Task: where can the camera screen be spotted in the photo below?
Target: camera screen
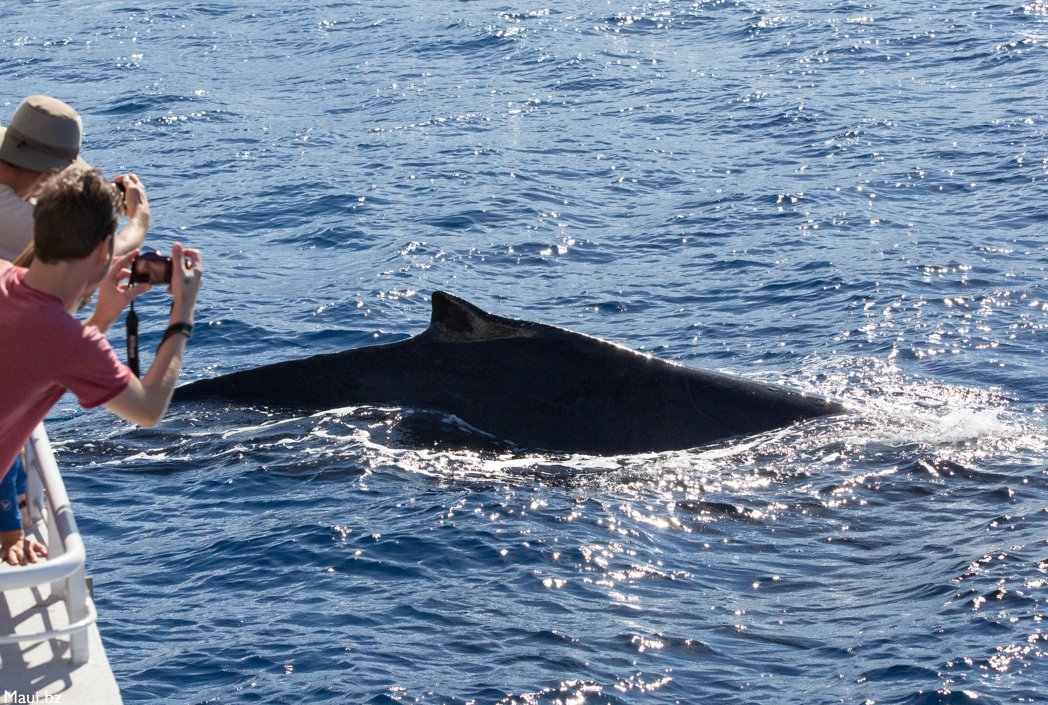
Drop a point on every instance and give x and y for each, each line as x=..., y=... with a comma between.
x=151, y=268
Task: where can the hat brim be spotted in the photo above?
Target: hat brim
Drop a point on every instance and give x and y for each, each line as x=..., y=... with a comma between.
x=31, y=159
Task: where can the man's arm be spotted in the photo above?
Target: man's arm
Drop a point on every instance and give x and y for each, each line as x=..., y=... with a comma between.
x=136, y=208
x=145, y=401
x=113, y=295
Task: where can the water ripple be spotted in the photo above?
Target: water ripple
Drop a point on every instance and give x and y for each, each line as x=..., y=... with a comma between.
x=846, y=198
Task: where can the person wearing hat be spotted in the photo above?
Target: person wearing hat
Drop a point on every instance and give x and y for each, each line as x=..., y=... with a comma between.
x=43, y=138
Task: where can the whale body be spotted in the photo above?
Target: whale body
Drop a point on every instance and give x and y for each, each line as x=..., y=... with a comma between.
x=528, y=384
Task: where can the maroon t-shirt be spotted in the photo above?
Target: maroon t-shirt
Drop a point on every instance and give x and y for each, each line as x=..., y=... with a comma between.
x=44, y=351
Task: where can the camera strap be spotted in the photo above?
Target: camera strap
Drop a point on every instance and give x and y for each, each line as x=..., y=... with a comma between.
x=132, y=339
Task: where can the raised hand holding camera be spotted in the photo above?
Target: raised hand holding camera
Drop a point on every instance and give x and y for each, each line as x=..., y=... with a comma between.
x=183, y=273
x=113, y=294
x=187, y=274
x=133, y=196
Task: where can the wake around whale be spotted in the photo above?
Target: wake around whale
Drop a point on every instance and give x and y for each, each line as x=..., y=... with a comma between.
x=531, y=385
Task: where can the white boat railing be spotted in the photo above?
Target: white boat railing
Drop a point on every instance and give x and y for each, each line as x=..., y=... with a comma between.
x=64, y=567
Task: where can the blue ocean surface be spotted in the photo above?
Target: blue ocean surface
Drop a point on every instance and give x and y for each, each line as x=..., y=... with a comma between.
x=850, y=198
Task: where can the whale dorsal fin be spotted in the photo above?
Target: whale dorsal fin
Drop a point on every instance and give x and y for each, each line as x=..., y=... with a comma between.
x=457, y=319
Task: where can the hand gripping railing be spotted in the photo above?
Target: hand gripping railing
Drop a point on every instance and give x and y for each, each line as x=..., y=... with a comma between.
x=64, y=567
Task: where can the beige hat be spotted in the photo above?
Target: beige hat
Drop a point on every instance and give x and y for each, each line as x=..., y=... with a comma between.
x=43, y=135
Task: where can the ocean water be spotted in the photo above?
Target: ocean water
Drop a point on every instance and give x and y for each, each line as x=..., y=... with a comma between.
x=847, y=197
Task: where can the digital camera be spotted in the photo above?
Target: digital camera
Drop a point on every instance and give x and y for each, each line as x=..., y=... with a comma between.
x=151, y=268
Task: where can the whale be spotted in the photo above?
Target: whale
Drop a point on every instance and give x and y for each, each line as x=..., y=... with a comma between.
x=530, y=385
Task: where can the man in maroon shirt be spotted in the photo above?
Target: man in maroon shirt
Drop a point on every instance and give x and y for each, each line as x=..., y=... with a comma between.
x=45, y=351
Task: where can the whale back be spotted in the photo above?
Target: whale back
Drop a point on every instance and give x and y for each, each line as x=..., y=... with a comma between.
x=530, y=384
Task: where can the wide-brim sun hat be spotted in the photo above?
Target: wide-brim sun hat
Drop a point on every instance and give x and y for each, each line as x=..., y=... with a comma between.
x=44, y=135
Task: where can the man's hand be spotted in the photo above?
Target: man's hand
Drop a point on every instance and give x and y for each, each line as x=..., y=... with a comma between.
x=145, y=400
x=187, y=274
x=113, y=294
x=136, y=207
x=16, y=549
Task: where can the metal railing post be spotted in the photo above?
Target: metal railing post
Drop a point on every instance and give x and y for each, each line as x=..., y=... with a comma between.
x=64, y=567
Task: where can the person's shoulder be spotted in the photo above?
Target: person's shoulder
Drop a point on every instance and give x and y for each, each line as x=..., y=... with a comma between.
x=16, y=223
x=41, y=313
x=13, y=208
